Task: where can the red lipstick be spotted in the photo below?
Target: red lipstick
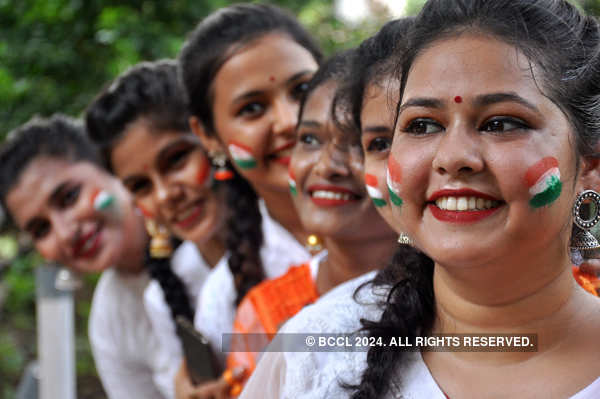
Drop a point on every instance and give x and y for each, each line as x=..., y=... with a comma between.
x=466, y=216
x=347, y=196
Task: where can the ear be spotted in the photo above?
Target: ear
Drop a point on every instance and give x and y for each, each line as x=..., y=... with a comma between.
x=209, y=141
x=590, y=173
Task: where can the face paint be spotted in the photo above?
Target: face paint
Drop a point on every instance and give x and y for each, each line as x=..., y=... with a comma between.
x=242, y=155
x=458, y=99
x=203, y=173
x=102, y=200
x=373, y=190
x=292, y=183
x=543, y=181
x=393, y=177
x=147, y=214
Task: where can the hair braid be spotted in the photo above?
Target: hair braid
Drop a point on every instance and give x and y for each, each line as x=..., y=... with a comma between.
x=244, y=236
x=173, y=288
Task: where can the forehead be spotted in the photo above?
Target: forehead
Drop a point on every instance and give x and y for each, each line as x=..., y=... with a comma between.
x=39, y=180
x=380, y=100
x=318, y=104
x=274, y=55
x=470, y=64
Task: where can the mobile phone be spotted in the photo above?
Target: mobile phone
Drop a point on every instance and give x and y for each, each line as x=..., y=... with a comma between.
x=198, y=354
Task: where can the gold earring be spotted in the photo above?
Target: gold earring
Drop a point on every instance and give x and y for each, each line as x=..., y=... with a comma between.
x=160, y=243
x=313, y=243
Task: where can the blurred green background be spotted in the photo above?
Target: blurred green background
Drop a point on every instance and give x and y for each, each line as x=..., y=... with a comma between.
x=55, y=55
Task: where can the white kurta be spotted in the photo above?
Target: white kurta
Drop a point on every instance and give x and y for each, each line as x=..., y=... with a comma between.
x=123, y=342
x=189, y=265
x=216, y=305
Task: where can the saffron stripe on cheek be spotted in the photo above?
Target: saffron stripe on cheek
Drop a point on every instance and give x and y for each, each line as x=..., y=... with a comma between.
x=394, y=176
x=145, y=212
x=371, y=180
x=395, y=170
x=202, y=174
x=538, y=169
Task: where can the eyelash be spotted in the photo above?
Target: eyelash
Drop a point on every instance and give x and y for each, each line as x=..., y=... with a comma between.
x=69, y=196
x=309, y=139
x=299, y=90
x=176, y=158
x=486, y=126
x=378, y=141
x=251, y=109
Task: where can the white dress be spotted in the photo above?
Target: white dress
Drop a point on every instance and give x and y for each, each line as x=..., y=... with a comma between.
x=123, y=342
x=189, y=265
x=311, y=375
x=216, y=307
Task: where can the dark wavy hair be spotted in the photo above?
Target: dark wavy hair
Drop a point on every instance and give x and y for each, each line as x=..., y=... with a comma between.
x=563, y=45
x=149, y=90
x=207, y=48
x=59, y=136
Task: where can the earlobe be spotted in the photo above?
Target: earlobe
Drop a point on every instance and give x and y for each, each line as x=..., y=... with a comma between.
x=210, y=142
x=590, y=174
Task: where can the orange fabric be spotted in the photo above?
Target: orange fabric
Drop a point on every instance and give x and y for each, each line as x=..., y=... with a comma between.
x=264, y=309
x=589, y=282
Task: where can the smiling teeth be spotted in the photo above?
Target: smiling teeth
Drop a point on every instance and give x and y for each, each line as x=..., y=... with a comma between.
x=465, y=203
x=89, y=243
x=331, y=195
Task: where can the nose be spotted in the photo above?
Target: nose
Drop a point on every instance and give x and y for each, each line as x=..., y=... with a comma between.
x=285, y=116
x=333, y=162
x=166, y=194
x=63, y=227
x=458, y=152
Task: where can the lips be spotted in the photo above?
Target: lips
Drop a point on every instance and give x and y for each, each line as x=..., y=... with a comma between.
x=328, y=195
x=189, y=216
x=462, y=206
x=282, y=154
x=88, y=245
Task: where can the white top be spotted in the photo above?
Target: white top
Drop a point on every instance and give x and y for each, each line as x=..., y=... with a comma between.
x=216, y=307
x=121, y=336
x=286, y=375
x=189, y=265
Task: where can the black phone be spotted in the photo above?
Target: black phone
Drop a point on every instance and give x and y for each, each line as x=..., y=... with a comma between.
x=198, y=354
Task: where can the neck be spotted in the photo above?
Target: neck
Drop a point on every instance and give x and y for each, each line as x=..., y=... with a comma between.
x=350, y=258
x=212, y=250
x=281, y=209
x=531, y=297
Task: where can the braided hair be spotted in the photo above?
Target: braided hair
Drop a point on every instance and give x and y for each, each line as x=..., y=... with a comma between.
x=148, y=90
x=207, y=48
x=559, y=40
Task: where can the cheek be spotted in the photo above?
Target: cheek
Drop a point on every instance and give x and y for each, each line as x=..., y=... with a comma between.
x=394, y=180
x=543, y=182
x=242, y=154
x=292, y=180
x=146, y=207
x=203, y=172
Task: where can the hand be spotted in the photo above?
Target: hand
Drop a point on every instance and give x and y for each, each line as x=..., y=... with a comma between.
x=215, y=389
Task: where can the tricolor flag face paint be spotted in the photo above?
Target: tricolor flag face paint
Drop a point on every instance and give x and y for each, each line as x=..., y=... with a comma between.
x=242, y=155
x=292, y=182
x=373, y=190
x=394, y=177
x=102, y=200
x=543, y=180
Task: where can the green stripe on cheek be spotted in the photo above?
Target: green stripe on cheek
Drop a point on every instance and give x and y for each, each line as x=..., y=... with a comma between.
x=293, y=190
x=549, y=195
x=378, y=202
x=396, y=200
x=245, y=164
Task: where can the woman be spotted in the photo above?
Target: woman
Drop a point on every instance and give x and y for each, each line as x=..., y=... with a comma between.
x=330, y=197
x=515, y=84
x=247, y=111
x=173, y=183
x=53, y=187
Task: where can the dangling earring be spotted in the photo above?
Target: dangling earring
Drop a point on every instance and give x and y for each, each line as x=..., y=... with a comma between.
x=313, y=243
x=582, y=239
x=219, y=161
x=160, y=243
x=403, y=238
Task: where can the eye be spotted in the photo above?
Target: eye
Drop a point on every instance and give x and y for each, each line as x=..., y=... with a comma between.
x=299, y=90
x=309, y=139
x=69, y=196
x=252, y=109
x=422, y=126
x=39, y=229
x=503, y=124
x=176, y=159
x=379, y=144
x=139, y=187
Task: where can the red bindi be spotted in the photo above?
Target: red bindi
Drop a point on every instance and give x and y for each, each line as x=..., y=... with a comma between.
x=271, y=78
x=458, y=99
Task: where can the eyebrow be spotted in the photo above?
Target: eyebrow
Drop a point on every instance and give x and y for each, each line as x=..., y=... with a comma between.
x=377, y=129
x=166, y=149
x=255, y=93
x=309, y=123
x=479, y=101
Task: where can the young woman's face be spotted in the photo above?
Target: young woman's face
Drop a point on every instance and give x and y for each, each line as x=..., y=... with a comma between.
x=170, y=180
x=255, y=109
x=327, y=170
x=377, y=120
x=53, y=201
x=482, y=161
